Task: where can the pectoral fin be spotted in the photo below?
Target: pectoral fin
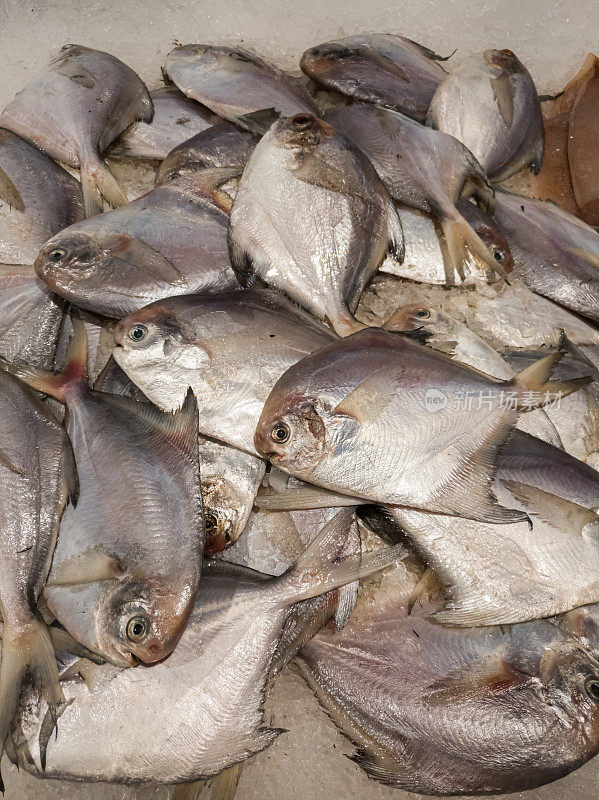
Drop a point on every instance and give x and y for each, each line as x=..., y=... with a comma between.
x=9, y=192
x=90, y=567
x=140, y=254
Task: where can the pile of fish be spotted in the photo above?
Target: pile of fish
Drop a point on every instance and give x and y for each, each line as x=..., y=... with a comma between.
x=327, y=394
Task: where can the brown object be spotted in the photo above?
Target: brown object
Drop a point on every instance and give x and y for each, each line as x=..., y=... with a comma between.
x=569, y=175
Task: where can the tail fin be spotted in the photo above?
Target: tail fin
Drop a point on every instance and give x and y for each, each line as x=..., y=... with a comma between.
x=466, y=250
x=97, y=181
x=316, y=572
x=534, y=388
x=31, y=651
x=73, y=375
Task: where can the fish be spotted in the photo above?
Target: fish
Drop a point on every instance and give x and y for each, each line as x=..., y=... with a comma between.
x=489, y=102
x=426, y=258
x=312, y=218
x=31, y=317
x=555, y=254
x=444, y=333
x=33, y=453
x=230, y=480
x=436, y=710
x=82, y=102
x=233, y=82
x=37, y=199
x=429, y=171
x=127, y=564
x=583, y=128
x=171, y=241
x=379, y=68
x=379, y=416
x=229, y=348
x=176, y=119
x=219, y=673
x=221, y=145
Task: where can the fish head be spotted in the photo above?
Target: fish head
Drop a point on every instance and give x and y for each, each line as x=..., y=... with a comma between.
x=154, y=347
x=301, y=132
x=141, y=620
x=326, y=60
x=66, y=260
x=225, y=513
x=291, y=433
x=502, y=60
x=413, y=317
x=209, y=58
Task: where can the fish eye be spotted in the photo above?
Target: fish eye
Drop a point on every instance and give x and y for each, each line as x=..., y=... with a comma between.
x=57, y=254
x=498, y=255
x=280, y=433
x=422, y=313
x=302, y=121
x=591, y=687
x=210, y=522
x=138, y=332
x=138, y=628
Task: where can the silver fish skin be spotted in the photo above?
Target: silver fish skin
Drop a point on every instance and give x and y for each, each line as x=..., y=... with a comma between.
x=312, y=218
x=428, y=171
x=176, y=119
x=234, y=82
x=127, y=564
x=444, y=333
x=82, y=102
x=230, y=349
x=219, y=673
x=436, y=710
x=426, y=257
x=221, y=145
x=378, y=68
x=230, y=480
x=379, y=416
x=171, y=241
x=31, y=317
x=555, y=253
x=37, y=199
x=33, y=493
x=489, y=102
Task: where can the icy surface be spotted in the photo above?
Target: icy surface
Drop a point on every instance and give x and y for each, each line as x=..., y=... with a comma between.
x=551, y=38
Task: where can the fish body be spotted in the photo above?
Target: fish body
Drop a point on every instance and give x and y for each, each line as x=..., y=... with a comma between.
x=176, y=119
x=221, y=145
x=489, y=102
x=127, y=564
x=218, y=675
x=32, y=497
x=75, y=109
x=426, y=170
x=378, y=416
x=555, y=254
x=379, y=68
x=436, y=710
x=312, y=218
x=171, y=241
x=231, y=349
x=234, y=82
x=37, y=199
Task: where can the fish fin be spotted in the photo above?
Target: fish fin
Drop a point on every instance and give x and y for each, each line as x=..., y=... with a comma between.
x=566, y=344
x=90, y=567
x=503, y=92
x=314, y=573
x=427, y=584
x=396, y=245
x=63, y=641
x=98, y=181
x=302, y=497
x=476, y=185
x=69, y=470
x=385, y=769
x=556, y=511
x=180, y=427
x=258, y=122
x=6, y=462
x=536, y=390
x=488, y=676
x=145, y=257
x=304, y=622
x=71, y=69
x=348, y=594
x=316, y=171
x=74, y=373
x=426, y=51
x=30, y=651
x=9, y=193
x=466, y=248
x=224, y=785
x=188, y=791
x=374, y=391
x=241, y=261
